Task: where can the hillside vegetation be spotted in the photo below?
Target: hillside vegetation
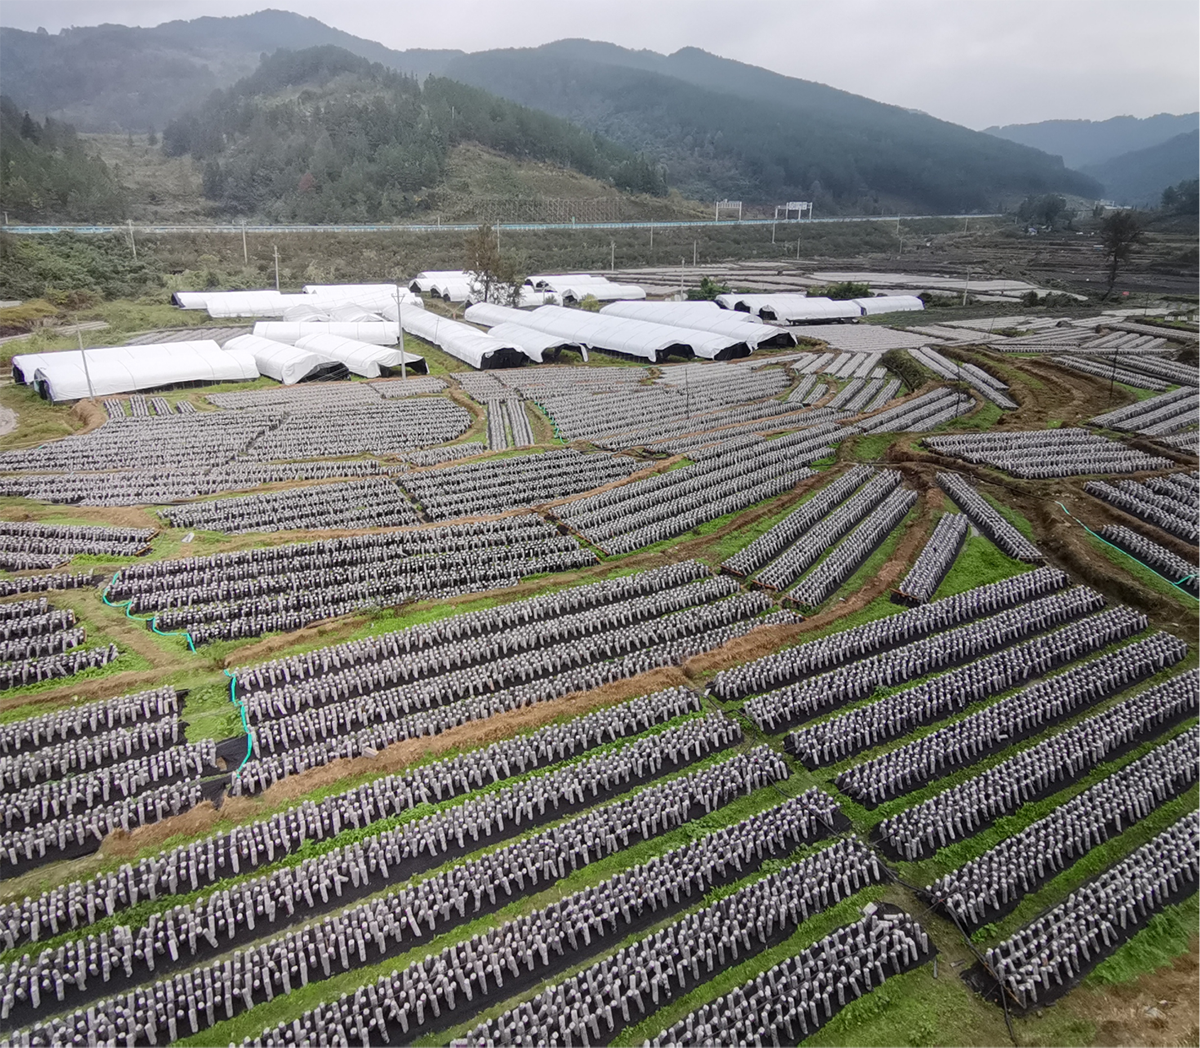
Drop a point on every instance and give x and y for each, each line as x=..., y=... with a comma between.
x=47, y=171
x=322, y=135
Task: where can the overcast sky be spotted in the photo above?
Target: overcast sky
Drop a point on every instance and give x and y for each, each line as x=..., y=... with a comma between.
x=976, y=62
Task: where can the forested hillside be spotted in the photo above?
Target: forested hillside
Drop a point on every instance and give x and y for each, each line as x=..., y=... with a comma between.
x=723, y=128
x=322, y=135
x=48, y=173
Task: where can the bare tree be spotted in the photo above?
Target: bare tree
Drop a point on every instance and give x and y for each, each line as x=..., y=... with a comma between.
x=1120, y=232
x=496, y=275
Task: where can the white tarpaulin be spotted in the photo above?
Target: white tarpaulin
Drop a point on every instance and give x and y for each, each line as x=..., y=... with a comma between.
x=464, y=342
x=127, y=369
x=575, y=287
x=704, y=316
x=284, y=363
x=361, y=358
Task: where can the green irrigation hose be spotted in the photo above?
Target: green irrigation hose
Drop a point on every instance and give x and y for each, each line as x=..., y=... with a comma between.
x=1178, y=585
x=153, y=621
x=240, y=705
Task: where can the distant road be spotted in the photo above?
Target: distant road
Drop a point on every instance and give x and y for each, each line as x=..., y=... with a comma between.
x=462, y=227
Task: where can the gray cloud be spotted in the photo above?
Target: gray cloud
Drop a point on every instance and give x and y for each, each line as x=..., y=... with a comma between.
x=975, y=62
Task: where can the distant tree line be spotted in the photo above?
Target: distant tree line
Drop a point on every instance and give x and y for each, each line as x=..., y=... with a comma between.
x=358, y=142
x=46, y=174
x=1182, y=198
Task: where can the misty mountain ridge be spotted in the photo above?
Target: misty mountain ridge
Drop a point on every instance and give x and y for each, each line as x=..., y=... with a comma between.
x=1139, y=177
x=1085, y=144
x=714, y=127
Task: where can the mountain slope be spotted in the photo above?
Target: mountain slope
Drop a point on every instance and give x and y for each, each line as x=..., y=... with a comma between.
x=321, y=135
x=1140, y=177
x=723, y=128
x=1084, y=143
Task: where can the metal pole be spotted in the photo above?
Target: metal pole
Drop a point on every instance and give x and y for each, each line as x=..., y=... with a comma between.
x=400, y=329
x=245, y=253
x=797, y=245
x=87, y=373
x=651, y=236
x=276, y=250
x=966, y=287
x=132, y=242
x=612, y=256
x=773, y=232
x=694, y=255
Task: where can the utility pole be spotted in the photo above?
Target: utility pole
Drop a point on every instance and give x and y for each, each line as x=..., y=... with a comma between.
x=966, y=287
x=694, y=255
x=245, y=253
x=797, y=245
x=773, y=225
x=132, y=242
x=651, y=236
x=400, y=330
x=612, y=256
x=87, y=373
x=276, y=250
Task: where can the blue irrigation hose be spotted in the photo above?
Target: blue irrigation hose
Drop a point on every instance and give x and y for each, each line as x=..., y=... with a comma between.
x=240, y=705
x=1178, y=585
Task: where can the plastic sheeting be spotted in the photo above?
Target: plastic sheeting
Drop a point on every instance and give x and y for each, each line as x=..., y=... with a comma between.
x=704, y=316
x=466, y=343
x=360, y=358
x=378, y=333
x=127, y=369
x=888, y=304
x=284, y=363
x=636, y=338
x=790, y=309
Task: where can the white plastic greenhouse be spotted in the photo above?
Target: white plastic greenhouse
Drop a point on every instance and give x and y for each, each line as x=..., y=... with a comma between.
x=378, y=332
x=635, y=338
x=284, y=363
x=127, y=369
x=535, y=343
x=790, y=309
x=704, y=316
x=889, y=304
x=361, y=358
x=466, y=343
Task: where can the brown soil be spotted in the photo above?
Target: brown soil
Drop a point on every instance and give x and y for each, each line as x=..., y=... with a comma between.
x=90, y=414
x=1120, y=1012
x=125, y=845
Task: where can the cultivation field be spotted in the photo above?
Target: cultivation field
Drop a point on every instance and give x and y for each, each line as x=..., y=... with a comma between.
x=735, y=702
